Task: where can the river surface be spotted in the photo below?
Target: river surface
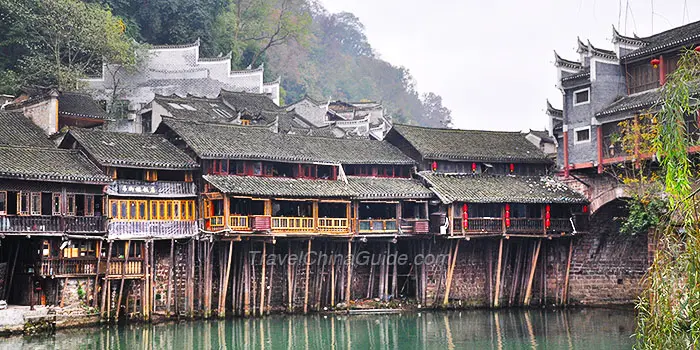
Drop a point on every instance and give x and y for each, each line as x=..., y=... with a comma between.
x=475, y=329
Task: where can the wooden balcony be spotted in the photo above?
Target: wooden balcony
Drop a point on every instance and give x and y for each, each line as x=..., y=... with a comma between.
x=526, y=225
x=334, y=225
x=215, y=223
x=415, y=226
x=293, y=224
x=134, y=266
x=152, y=228
x=560, y=225
x=239, y=223
x=260, y=222
x=377, y=225
x=82, y=266
x=75, y=224
x=478, y=226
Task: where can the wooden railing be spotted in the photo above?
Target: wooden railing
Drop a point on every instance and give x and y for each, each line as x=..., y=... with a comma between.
x=68, y=266
x=478, y=225
x=377, y=225
x=292, y=224
x=526, y=225
x=75, y=224
x=133, y=267
x=216, y=222
x=560, y=225
x=239, y=223
x=415, y=226
x=334, y=225
x=152, y=228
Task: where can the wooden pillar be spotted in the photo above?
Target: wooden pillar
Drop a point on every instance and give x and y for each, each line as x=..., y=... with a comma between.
x=190, y=279
x=565, y=292
x=97, y=273
x=290, y=300
x=450, y=274
x=333, y=286
x=566, y=149
x=497, y=291
x=599, y=144
x=170, y=275
x=224, y=290
x=263, y=285
x=106, y=279
x=146, y=286
x=246, y=280
x=314, y=213
x=121, y=285
x=349, y=274
x=450, y=218
x=533, y=267
x=307, y=277
x=227, y=209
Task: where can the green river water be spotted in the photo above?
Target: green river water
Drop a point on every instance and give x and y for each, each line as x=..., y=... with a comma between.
x=474, y=329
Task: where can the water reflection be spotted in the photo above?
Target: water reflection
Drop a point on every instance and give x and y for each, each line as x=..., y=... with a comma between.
x=478, y=329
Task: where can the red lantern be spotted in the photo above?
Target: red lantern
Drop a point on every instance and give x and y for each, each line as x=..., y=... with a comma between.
x=512, y=167
x=473, y=167
x=655, y=62
x=547, y=216
x=507, y=213
x=585, y=209
x=434, y=166
x=465, y=215
x=697, y=48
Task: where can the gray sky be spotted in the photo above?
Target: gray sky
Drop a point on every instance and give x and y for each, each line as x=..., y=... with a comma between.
x=492, y=61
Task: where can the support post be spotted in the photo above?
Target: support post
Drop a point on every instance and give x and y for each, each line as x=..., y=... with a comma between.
x=333, y=286
x=533, y=267
x=349, y=274
x=97, y=273
x=498, y=274
x=290, y=300
x=106, y=278
x=121, y=285
x=450, y=274
x=565, y=292
x=263, y=285
x=224, y=290
x=170, y=275
x=307, y=277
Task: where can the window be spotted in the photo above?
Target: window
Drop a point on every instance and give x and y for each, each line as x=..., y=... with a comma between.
x=582, y=96
x=582, y=135
x=70, y=204
x=240, y=168
x=245, y=122
x=23, y=203
x=188, y=176
x=89, y=205
x=36, y=203
x=151, y=175
x=3, y=203
x=142, y=213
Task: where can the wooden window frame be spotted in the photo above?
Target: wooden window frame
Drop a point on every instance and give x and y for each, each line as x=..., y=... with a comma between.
x=23, y=195
x=584, y=128
x=35, y=207
x=56, y=199
x=188, y=176
x=245, y=122
x=89, y=205
x=580, y=103
x=141, y=216
x=3, y=194
x=151, y=175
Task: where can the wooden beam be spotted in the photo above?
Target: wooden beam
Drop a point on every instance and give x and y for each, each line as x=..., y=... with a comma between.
x=272, y=275
x=307, y=277
x=105, y=281
x=533, y=267
x=565, y=292
x=263, y=285
x=224, y=290
x=497, y=291
x=121, y=285
x=170, y=275
x=290, y=306
x=333, y=286
x=450, y=274
x=97, y=272
x=349, y=274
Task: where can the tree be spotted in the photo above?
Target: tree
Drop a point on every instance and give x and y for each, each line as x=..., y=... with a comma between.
x=64, y=40
x=435, y=113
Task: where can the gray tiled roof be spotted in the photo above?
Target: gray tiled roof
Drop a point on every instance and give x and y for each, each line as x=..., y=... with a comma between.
x=214, y=141
x=130, y=150
x=44, y=164
x=471, y=145
x=80, y=105
x=18, y=130
x=683, y=35
x=633, y=102
x=500, y=189
x=357, y=187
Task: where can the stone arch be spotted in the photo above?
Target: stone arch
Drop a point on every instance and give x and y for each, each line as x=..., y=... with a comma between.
x=608, y=196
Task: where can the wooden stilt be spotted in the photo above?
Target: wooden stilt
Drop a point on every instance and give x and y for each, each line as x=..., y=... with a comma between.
x=263, y=284
x=271, y=279
x=349, y=274
x=490, y=274
x=190, y=281
x=370, y=280
x=290, y=298
x=450, y=273
x=565, y=292
x=516, y=274
x=121, y=285
x=12, y=271
x=170, y=275
x=144, y=289
x=395, y=277
x=533, y=267
x=246, y=286
x=333, y=284
x=424, y=276
x=109, y=303
x=382, y=270
x=104, y=288
x=307, y=277
x=497, y=292
x=97, y=274
x=224, y=289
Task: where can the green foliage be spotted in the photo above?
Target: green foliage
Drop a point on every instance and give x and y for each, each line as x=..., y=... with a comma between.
x=59, y=41
x=644, y=214
x=669, y=308
x=81, y=292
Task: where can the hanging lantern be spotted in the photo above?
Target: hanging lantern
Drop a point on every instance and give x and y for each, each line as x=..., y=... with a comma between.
x=465, y=216
x=512, y=167
x=434, y=166
x=655, y=63
x=547, y=216
x=697, y=48
x=473, y=167
x=584, y=209
x=507, y=214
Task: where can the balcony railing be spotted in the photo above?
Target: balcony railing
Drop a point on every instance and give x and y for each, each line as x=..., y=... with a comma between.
x=292, y=224
x=560, y=225
x=239, y=223
x=133, y=267
x=75, y=224
x=333, y=225
x=478, y=225
x=68, y=266
x=152, y=228
x=85, y=224
x=216, y=222
x=415, y=225
x=377, y=225
x=526, y=225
